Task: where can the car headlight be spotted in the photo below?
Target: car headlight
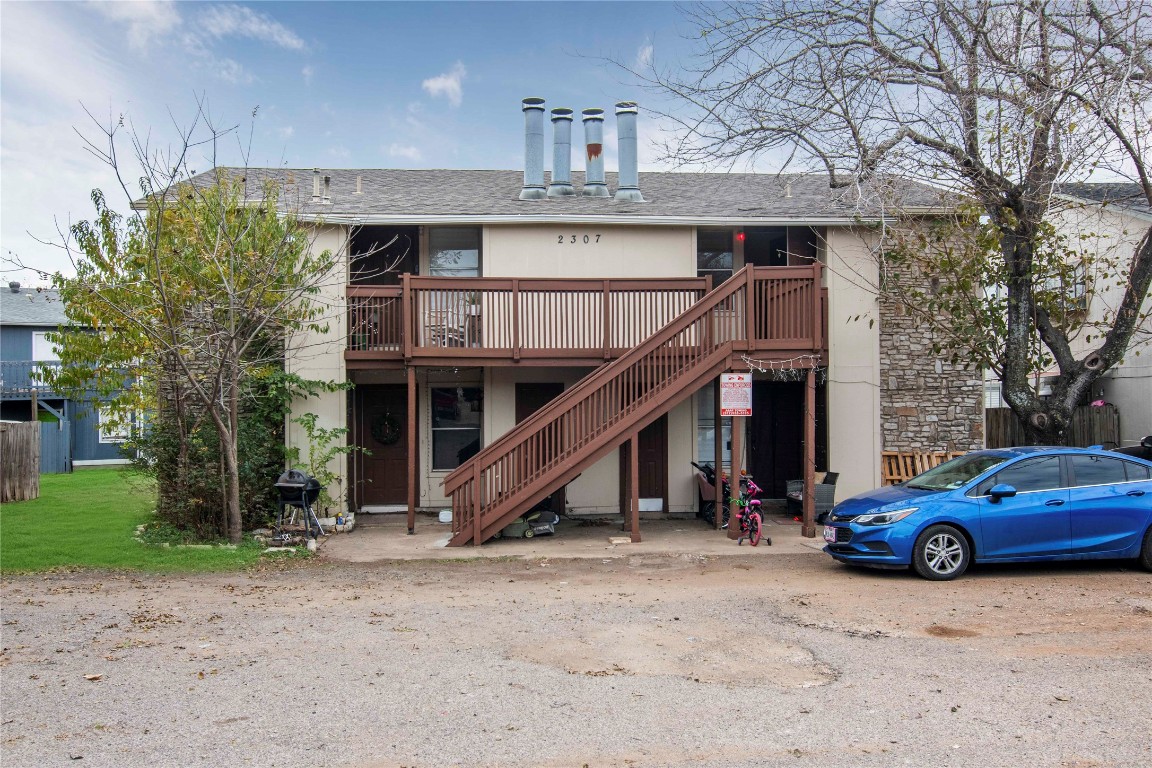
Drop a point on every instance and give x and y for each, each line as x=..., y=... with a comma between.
x=885, y=518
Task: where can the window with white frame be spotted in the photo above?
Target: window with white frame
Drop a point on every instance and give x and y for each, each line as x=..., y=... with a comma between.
x=112, y=428
x=43, y=350
x=714, y=254
x=454, y=251
x=457, y=414
x=706, y=428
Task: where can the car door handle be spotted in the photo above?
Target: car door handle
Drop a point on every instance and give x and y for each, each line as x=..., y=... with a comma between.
x=1054, y=503
x=1135, y=493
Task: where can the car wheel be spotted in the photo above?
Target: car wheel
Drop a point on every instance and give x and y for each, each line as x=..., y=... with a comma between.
x=1146, y=551
x=941, y=553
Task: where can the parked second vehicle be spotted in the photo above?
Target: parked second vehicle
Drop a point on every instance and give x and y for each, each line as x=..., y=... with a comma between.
x=1005, y=505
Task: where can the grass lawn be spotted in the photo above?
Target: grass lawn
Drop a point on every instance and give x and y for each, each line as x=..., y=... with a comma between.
x=87, y=519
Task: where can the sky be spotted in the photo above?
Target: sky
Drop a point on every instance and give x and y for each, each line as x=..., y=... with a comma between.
x=330, y=85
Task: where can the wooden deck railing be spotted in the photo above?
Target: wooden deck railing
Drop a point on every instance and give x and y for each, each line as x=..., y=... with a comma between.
x=19, y=378
x=513, y=318
x=762, y=308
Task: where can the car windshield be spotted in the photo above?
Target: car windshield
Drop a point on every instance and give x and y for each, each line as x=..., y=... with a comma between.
x=957, y=472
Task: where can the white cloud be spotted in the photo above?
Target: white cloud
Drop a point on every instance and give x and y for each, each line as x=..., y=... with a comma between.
x=232, y=71
x=406, y=151
x=148, y=21
x=448, y=84
x=643, y=58
x=221, y=21
x=286, y=132
x=307, y=73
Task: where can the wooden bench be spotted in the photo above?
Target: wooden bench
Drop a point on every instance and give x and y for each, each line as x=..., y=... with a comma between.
x=898, y=466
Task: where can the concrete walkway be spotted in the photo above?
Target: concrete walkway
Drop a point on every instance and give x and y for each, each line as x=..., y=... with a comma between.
x=385, y=537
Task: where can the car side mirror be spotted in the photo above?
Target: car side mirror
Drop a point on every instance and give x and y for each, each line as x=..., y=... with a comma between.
x=1147, y=442
x=1001, y=491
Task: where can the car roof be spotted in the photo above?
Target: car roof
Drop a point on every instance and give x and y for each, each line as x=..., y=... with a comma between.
x=1021, y=451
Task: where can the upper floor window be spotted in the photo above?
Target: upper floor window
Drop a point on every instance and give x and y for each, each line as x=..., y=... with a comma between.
x=379, y=255
x=714, y=255
x=44, y=350
x=454, y=251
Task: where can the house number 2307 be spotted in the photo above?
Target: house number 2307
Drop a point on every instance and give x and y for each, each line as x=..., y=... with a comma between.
x=570, y=239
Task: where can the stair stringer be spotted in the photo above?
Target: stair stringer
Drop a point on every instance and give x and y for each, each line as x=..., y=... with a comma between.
x=705, y=370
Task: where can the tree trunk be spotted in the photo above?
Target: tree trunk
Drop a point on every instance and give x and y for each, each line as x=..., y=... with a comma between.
x=231, y=456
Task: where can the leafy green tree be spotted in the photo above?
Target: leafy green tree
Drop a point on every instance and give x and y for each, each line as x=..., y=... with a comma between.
x=1001, y=101
x=189, y=301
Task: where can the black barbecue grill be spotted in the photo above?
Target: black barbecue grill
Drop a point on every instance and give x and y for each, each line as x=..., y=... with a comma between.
x=299, y=490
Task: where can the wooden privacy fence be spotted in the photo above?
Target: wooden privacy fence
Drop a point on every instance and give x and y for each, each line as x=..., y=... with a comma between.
x=19, y=461
x=1091, y=425
x=898, y=466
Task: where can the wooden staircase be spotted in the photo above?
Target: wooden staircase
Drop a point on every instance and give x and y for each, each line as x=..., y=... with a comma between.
x=768, y=312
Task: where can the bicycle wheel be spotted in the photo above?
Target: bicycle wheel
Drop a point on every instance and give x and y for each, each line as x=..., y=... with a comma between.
x=754, y=528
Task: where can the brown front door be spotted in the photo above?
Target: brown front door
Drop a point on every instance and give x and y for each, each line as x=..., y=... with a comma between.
x=530, y=398
x=776, y=435
x=653, y=464
x=381, y=426
x=654, y=461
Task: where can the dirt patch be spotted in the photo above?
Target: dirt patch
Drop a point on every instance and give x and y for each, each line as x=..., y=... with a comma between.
x=937, y=630
x=701, y=653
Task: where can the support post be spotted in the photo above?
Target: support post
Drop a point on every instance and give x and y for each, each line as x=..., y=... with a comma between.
x=407, y=314
x=477, y=526
x=734, y=481
x=412, y=450
x=718, y=510
x=634, y=474
x=808, y=515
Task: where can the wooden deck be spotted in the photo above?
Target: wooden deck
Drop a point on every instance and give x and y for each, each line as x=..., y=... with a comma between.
x=520, y=321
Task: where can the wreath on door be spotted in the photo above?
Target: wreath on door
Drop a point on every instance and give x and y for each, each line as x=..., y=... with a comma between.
x=385, y=429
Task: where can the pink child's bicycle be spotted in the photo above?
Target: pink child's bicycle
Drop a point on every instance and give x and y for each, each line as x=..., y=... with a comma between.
x=747, y=511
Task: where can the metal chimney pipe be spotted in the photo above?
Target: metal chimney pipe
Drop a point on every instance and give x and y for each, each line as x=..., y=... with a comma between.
x=533, y=150
x=629, y=188
x=594, y=185
x=561, y=185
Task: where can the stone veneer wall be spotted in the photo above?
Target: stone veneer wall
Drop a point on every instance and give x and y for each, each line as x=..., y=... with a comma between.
x=926, y=403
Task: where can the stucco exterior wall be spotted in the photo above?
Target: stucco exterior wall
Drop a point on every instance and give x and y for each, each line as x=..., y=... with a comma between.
x=320, y=356
x=854, y=428
x=1112, y=234
x=556, y=250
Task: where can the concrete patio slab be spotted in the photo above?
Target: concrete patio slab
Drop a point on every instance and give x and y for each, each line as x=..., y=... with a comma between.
x=385, y=537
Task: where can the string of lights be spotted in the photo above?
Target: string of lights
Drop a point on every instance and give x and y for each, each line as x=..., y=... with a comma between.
x=792, y=369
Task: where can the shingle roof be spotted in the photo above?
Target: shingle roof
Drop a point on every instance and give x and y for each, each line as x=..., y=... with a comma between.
x=448, y=193
x=31, y=306
x=1124, y=195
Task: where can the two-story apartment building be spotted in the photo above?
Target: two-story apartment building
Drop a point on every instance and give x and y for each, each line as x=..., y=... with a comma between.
x=513, y=335
x=74, y=434
x=1108, y=222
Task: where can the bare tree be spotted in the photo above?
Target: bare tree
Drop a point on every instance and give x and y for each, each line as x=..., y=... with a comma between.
x=999, y=100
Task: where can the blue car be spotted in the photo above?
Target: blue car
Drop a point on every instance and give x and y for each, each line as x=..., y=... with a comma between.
x=1005, y=505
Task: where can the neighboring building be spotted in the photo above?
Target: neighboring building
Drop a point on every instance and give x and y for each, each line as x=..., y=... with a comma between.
x=1110, y=220
x=474, y=298
x=74, y=434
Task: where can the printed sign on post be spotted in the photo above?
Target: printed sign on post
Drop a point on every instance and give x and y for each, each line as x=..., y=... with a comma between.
x=736, y=394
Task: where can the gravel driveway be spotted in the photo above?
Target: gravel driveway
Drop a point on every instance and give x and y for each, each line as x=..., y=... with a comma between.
x=638, y=661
